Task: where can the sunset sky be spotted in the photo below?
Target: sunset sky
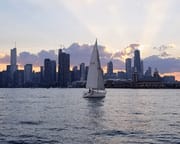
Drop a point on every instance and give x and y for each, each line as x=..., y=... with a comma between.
x=45, y=25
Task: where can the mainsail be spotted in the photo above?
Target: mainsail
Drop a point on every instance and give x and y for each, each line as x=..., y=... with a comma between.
x=95, y=76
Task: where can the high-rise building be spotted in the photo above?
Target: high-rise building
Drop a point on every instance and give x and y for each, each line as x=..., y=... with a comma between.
x=148, y=72
x=128, y=68
x=28, y=73
x=41, y=74
x=110, y=68
x=49, y=72
x=156, y=74
x=18, y=78
x=142, y=69
x=53, y=64
x=75, y=74
x=137, y=61
x=63, y=68
x=13, y=67
x=13, y=60
x=82, y=71
x=121, y=75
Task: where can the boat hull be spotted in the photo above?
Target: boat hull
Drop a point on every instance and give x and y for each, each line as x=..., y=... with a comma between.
x=94, y=94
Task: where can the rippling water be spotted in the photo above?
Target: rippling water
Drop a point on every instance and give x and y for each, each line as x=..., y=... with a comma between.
x=53, y=116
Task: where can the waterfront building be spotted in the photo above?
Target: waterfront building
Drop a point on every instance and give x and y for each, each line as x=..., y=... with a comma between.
x=156, y=74
x=63, y=69
x=49, y=72
x=13, y=66
x=142, y=69
x=110, y=68
x=128, y=68
x=169, y=79
x=41, y=74
x=18, y=78
x=75, y=74
x=13, y=60
x=82, y=71
x=121, y=75
x=137, y=62
x=148, y=72
x=28, y=73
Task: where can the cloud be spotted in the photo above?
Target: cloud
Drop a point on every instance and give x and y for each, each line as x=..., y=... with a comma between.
x=4, y=59
x=126, y=52
x=164, y=65
x=36, y=59
x=163, y=49
x=78, y=54
x=29, y=58
x=164, y=54
x=81, y=53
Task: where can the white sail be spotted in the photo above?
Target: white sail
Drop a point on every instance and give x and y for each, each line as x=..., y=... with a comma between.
x=95, y=76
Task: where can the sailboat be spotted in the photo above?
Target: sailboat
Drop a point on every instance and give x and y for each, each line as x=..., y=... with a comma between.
x=95, y=81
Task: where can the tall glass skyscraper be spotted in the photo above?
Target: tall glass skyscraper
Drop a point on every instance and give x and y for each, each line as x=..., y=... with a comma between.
x=50, y=72
x=63, y=68
x=82, y=71
x=13, y=60
x=137, y=62
x=110, y=68
x=28, y=73
x=128, y=68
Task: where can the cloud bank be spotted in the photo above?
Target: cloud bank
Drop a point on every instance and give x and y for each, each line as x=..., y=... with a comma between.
x=163, y=49
x=126, y=52
x=81, y=53
x=164, y=65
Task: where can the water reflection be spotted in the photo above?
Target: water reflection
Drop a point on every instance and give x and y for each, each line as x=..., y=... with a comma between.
x=95, y=111
x=96, y=118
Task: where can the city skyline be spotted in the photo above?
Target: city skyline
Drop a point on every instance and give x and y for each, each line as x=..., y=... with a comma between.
x=40, y=27
x=84, y=54
x=60, y=75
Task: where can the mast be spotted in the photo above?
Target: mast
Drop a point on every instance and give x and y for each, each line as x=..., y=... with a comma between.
x=95, y=77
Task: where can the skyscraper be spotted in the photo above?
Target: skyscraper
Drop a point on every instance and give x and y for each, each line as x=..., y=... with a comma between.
x=13, y=65
x=63, y=68
x=41, y=74
x=110, y=68
x=53, y=66
x=18, y=78
x=128, y=68
x=148, y=72
x=75, y=74
x=28, y=73
x=13, y=57
x=49, y=72
x=13, y=60
x=82, y=71
x=142, y=68
x=137, y=62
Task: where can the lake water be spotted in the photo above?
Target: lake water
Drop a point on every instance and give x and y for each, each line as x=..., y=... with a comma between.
x=55, y=116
